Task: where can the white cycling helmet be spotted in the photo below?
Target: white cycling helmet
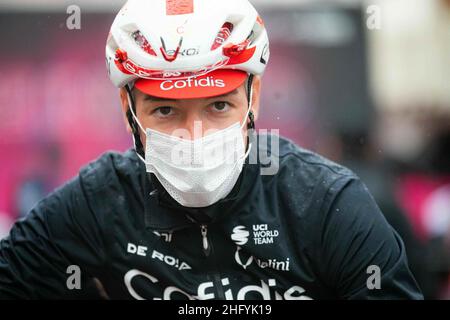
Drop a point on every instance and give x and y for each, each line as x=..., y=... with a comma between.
x=186, y=48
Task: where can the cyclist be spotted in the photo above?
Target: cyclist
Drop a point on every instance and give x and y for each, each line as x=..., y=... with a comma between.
x=202, y=207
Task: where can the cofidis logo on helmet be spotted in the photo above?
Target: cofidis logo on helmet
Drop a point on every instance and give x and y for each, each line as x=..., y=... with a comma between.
x=191, y=82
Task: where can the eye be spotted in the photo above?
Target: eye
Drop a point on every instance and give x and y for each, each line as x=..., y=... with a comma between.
x=163, y=111
x=220, y=106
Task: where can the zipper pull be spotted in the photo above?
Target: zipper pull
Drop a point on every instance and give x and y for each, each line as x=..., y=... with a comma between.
x=206, y=248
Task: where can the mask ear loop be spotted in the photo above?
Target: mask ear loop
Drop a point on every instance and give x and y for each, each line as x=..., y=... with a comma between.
x=249, y=114
x=135, y=125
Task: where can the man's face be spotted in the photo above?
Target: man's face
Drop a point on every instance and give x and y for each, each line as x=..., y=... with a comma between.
x=191, y=118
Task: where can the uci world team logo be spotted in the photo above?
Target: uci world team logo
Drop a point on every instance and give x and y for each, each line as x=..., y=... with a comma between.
x=261, y=234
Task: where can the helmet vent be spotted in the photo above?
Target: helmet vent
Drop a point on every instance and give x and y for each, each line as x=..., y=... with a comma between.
x=223, y=34
x=256, y=32
x=142, y=42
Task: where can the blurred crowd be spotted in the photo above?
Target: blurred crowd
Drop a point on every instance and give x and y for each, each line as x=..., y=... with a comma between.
x=374, y=99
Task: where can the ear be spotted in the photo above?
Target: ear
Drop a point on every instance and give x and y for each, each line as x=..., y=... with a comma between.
x=256, y=90
x=124, y=104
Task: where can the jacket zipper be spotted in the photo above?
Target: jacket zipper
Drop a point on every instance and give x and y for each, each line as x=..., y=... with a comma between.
x=207, y=250
x=206, y=246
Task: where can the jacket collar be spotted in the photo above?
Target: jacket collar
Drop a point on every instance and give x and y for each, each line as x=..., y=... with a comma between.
x=163, y=213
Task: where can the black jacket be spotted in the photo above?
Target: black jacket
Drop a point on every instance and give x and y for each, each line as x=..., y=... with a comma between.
x=310, y=231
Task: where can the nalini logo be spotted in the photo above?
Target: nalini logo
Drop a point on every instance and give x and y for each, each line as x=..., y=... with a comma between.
x=240, y=237
x=191, y=82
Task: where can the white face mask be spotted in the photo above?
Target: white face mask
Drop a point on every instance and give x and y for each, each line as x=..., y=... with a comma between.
x=200, y=172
